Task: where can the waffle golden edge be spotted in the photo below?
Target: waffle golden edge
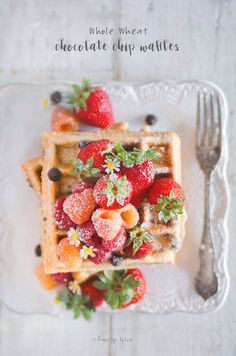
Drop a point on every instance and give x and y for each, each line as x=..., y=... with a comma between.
x=59, y=147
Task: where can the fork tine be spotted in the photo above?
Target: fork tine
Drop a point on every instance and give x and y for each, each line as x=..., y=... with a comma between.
x=198, y=124
x=218, y=122
x=212, y=124
x=205, y=129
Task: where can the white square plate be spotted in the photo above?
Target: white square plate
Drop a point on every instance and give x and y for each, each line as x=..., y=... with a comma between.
x=23, y=118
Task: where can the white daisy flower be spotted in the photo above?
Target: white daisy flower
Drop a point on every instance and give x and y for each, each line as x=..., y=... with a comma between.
x=73, y=237
x=87, y=251
x=112, y=164
x=74, y=287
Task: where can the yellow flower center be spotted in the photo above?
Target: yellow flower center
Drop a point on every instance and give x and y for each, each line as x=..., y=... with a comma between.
x=74, y=236
x=111, y=165
x=88, y=251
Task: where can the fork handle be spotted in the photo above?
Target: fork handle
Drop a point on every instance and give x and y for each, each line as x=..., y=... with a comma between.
x=206, y=252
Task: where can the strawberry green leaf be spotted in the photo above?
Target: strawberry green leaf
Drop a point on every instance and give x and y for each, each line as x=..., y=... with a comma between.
x=85, y=170
x=78, y=303
x=139, y=234
x=168, y=207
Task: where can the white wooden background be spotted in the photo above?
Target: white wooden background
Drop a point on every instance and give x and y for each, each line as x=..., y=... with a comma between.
x=205, y=31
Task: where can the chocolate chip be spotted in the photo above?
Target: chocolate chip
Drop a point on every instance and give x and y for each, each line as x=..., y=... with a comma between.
x=151, y=119
x=56, y=97
x=38, y=251
x=82, y=144
x=116, y=260
x=54, y=174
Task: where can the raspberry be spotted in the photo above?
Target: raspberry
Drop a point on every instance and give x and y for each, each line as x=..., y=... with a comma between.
x=107, y=223
x=64, y=121
x=102, y=254
x=45, y=279
x=95, y=150
x=117, y=243
x=79, y=206
x=142, y=252
x=81, y=186
x=67, y=253
x=62, y=278
x=129, y=216
x=113, y=191
x=62, y=220
x=86, y=231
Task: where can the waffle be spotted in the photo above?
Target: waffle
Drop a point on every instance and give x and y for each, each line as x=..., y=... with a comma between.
x=59, y=147
x=32, y=170
x=33, y=167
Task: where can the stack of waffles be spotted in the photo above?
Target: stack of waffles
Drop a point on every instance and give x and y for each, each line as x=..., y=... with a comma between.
x=58, y=149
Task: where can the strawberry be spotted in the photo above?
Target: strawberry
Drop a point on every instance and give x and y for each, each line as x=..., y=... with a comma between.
x=122, y=288
x=62, y=220
x=117, y=243
x=137, y=276
x=95, y=150
x=92, y=105
x=141, y=176
x=136, y=165
x=112, y=191
x=140, y=242
x=96, y=296
x=62, y=278
x=64, y=121
x=167, y=199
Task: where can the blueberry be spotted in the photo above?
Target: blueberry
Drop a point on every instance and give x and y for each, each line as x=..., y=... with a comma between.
x=82, y=144
x=38, y=251
x=151, y=119
x=54, y=174
x=56, y=97
x=116, y=260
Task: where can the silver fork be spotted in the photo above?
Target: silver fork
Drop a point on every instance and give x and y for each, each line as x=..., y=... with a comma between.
x=208, y=149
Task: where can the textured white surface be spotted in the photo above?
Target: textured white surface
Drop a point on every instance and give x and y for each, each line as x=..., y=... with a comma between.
x=170, y=288
x=205, y=31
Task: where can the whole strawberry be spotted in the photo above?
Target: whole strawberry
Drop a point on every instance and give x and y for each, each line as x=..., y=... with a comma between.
x=95, y=150
x=92, y=105
x=113, y=191
x=140, y=242
x=167, y=199
x=141, y=176
x=122, y=288
x=136, y=165
x=96, y=296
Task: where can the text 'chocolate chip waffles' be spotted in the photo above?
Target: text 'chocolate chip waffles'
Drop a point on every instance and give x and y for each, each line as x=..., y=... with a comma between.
x=59, y=150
